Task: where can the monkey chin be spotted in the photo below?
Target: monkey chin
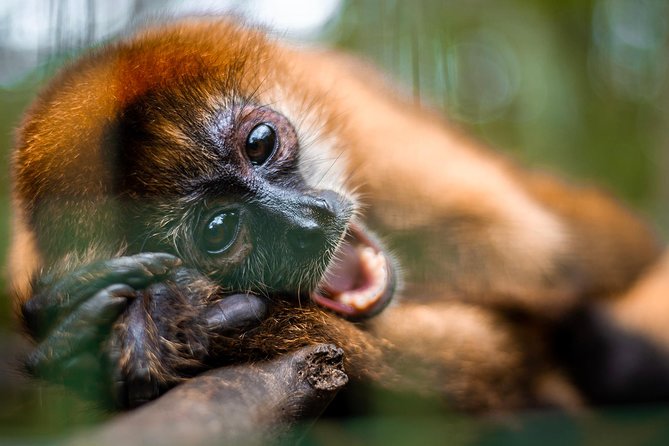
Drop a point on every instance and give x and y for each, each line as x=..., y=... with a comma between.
x=361, y=279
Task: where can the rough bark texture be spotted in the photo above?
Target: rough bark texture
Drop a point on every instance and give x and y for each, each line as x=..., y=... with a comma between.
x=249, y=404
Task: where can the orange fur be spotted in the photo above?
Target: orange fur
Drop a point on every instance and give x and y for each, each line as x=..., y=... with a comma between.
x=478, y=235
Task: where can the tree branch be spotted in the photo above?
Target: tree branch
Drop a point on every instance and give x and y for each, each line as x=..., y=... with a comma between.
x=250, y=403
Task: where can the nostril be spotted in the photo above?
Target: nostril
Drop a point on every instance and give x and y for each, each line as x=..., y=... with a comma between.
x=307, y=239
x=322, y=203
x=327, y=204
x=323, y=208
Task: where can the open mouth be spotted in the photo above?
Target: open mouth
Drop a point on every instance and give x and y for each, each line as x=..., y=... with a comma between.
x=360, y=282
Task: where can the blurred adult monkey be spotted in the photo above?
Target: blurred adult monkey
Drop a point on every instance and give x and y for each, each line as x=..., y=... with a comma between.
x=198, y=194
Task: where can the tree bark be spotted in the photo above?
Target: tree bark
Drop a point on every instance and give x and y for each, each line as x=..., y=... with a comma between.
x=254, y=403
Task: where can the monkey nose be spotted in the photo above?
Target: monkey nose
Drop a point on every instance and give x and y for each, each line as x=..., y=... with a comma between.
x=308, y=233
x=307, y=239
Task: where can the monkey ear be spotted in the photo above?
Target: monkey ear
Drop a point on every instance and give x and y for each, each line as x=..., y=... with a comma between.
x=237, y=313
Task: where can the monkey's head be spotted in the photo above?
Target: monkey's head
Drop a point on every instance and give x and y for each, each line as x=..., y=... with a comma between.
x=203, y=140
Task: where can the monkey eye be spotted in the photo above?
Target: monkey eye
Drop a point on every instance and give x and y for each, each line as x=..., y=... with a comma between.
x=260, y=143
x=220, y=231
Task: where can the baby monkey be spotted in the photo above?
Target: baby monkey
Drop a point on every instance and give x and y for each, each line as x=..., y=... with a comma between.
x=193, y=196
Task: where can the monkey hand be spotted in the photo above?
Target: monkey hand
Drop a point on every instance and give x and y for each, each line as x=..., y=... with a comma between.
x=122, y=331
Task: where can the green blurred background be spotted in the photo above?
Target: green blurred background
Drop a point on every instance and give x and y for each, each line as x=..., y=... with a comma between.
x=578, y=87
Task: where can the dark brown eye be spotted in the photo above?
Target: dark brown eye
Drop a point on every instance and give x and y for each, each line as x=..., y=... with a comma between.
x=220, y=231
x=260, y=144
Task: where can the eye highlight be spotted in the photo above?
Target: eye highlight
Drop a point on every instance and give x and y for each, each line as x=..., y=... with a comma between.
x=260, y=144
x=219, y=232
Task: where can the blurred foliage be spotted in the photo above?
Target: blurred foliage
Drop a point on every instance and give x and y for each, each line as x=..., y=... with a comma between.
x=575, y=86
x=578, y=87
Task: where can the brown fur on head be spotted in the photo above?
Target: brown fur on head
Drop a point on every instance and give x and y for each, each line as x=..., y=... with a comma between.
x=62, y=147
x=109, y=157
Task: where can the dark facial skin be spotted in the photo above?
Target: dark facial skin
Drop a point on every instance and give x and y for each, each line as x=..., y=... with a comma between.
x=215, y=224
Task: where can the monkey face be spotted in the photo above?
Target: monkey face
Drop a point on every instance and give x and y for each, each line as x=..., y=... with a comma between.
x=220, y=185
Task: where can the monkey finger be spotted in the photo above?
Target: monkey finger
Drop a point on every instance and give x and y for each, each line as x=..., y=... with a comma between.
x=132, y=385
x=81, y=331
x=133, y=390
x=237, y=313
x=137, y=390
x=137, y=271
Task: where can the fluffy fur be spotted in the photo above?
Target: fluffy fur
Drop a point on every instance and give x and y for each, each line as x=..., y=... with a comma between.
x=492, y=255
